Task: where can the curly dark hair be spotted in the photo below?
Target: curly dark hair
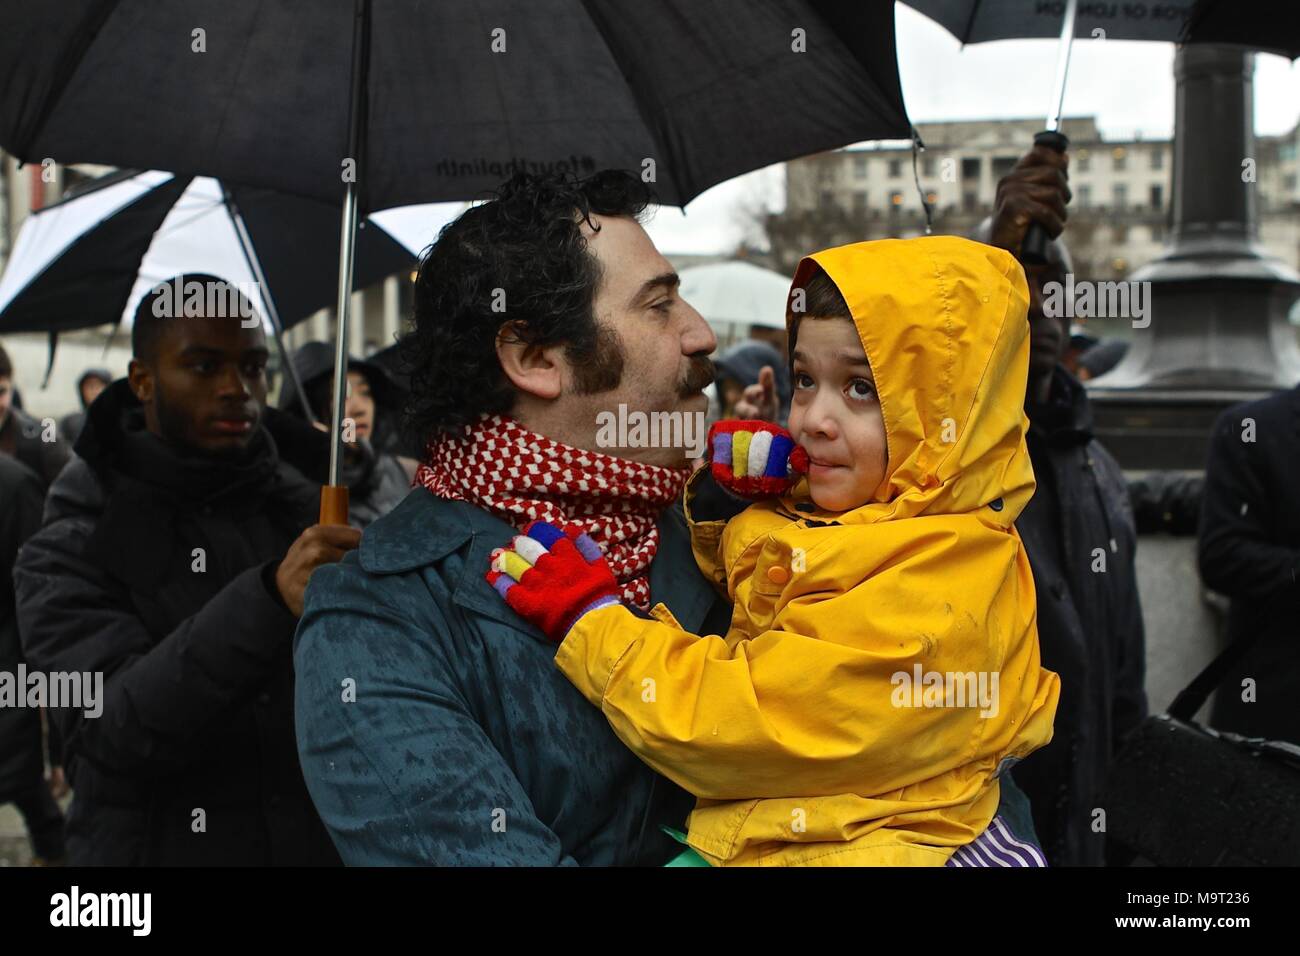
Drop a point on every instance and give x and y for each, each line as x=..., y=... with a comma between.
x=527, y=242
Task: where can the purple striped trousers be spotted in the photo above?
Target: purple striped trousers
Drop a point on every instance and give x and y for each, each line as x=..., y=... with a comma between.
x=996, y=846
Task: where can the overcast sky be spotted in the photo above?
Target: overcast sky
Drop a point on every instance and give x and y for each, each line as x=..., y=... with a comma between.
x=1128, y=86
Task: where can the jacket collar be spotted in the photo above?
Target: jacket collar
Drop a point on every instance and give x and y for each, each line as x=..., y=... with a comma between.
x=423, y=529
x=420, y=530
x=1066, y=417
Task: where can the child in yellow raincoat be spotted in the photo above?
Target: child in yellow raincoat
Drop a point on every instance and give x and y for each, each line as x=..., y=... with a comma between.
x=881, y=667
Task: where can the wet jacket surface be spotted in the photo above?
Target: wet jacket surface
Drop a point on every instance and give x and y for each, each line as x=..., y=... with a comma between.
x=461, y=744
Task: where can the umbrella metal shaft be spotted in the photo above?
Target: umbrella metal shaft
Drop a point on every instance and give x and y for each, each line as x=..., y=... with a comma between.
x=347, y=250
x=1062, y=65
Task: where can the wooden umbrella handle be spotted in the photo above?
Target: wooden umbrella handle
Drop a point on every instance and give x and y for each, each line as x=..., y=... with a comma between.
x=334, y=504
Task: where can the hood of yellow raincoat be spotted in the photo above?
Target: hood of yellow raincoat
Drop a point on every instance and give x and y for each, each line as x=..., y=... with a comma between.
x=943, y=323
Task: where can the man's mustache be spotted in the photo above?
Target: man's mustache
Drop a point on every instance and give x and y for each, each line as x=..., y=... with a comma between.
x=699, y=376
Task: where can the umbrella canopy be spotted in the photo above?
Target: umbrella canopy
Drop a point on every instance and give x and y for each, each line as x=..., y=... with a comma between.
x=393, y=102
x=89, y=259
x=1252, y=23
x=452, y=97
x=739, y=292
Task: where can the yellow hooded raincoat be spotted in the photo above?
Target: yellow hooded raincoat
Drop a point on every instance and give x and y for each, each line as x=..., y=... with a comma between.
x=881, y=663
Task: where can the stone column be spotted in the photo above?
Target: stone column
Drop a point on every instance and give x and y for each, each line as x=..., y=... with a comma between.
x=1218, y=331
x=392, y=306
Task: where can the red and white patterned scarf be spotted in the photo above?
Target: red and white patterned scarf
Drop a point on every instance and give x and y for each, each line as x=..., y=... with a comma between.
x=519, y=476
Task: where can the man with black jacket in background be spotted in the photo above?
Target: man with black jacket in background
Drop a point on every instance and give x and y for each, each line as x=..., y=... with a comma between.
x=172, y=559
x=1250, y=551
x=1079, y=532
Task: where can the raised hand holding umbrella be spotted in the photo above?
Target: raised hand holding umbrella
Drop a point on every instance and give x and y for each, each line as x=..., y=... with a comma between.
x=1033, y=251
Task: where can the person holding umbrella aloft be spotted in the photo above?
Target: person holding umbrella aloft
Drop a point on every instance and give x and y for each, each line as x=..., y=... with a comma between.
x=172, y=560
x=1089, y=624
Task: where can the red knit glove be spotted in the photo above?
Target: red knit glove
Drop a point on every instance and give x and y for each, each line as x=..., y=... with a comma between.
x=551, y=577
x=755, y=459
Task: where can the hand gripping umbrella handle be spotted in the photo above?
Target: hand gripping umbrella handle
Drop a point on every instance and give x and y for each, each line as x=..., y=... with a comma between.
x=1033, y=250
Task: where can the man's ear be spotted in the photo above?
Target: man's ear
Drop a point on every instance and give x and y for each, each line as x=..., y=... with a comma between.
x=532, y=369
x=141, y=379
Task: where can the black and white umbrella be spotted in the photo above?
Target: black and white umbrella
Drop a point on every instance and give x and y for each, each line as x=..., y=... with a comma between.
x=89, y=259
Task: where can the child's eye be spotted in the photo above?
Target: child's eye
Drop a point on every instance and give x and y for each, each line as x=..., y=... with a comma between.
x=862, y=390
x=802, y=380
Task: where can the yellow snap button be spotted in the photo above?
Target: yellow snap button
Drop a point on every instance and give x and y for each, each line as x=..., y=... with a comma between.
x=777, y=574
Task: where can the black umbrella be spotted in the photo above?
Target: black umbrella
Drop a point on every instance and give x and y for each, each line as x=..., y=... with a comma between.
x=1253, y=23
x=1259, y=24
x=456, y=94
x=403, y=101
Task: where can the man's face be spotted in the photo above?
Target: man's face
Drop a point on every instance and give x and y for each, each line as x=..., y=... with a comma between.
x=1048, y=337
x=664, y=342
x=835, y=414
x=206, y=385
x=6, y=399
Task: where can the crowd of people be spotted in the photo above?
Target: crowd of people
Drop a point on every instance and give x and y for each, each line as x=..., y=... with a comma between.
x=542, y=651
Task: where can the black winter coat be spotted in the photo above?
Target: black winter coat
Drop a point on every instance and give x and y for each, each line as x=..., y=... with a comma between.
x=1089, y=620
x=23, y=437
x=193, y=760
x=1250, y=551
x=376, y=483
x=22, y=764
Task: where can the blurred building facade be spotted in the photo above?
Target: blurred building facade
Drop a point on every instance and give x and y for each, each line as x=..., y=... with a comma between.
x=1118, y=216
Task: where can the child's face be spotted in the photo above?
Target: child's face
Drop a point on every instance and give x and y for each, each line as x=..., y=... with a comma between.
x=835, y=414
